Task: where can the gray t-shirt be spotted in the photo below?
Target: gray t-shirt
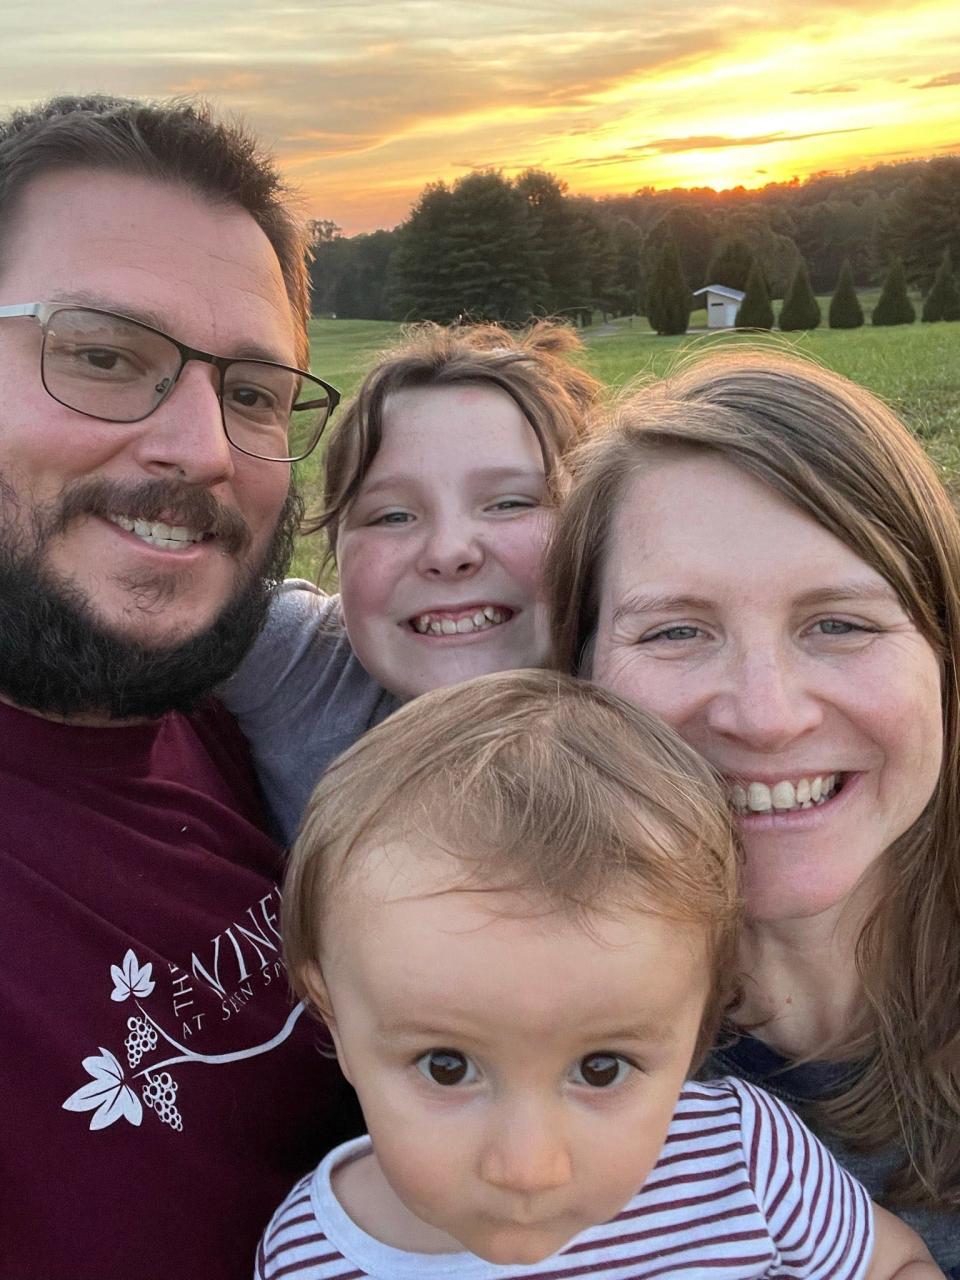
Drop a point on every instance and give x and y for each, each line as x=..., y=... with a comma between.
x=799, y=1086
x=301, y=698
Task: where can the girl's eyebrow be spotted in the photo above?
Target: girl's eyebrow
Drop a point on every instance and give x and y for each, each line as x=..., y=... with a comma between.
x=483, y=475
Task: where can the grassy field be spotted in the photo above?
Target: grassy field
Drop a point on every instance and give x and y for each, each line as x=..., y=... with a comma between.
x=915, y=368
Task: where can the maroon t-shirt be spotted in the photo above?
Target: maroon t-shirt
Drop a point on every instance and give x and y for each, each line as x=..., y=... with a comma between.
x=160, y=1092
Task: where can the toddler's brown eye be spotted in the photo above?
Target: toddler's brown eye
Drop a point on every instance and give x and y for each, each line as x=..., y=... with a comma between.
x=444, y=1066
x=601, y=1069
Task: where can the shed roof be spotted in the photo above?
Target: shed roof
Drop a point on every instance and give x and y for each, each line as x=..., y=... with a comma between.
x=734, y=294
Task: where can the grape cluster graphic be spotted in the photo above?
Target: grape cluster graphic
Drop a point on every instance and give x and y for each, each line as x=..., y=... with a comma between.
x=160, y=1095
x=142, y=1039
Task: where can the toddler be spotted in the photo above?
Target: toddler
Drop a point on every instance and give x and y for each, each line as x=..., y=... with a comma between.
x=514, y=904
x=441, y=478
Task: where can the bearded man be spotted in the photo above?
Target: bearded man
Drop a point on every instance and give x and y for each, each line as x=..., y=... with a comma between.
x=160, y=1091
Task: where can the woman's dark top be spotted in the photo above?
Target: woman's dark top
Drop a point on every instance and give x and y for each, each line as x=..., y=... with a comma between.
x=800, y=1086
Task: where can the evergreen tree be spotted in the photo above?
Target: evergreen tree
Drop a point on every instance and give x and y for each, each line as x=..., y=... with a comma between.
x=845, y=309
x=731, y=263
x=755, y=309
x=668, y=296
x=894, y=306
x=943, y=300
x=800, y=309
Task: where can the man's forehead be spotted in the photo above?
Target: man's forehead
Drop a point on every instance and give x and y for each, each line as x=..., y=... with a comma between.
x=153, y=249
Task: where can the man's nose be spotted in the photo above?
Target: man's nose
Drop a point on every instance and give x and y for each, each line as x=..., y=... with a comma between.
x=525, y=1151
x=766, y=700
x=184, y=437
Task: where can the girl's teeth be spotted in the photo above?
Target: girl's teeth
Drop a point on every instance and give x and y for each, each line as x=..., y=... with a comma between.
x=782, y=797
x=485, y=618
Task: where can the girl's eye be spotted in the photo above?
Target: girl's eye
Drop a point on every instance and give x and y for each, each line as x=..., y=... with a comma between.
x=600, y=1070
x=392, y=518
x=673, y=633
x=514, y=504
x=446, y=1067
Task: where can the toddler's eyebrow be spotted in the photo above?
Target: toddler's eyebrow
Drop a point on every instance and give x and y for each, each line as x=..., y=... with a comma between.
x=659, y=1032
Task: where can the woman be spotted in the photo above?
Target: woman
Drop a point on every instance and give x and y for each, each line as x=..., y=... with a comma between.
x=759, y=551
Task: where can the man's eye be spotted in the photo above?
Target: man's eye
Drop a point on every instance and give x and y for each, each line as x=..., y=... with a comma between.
x=446, y=1067
x=600, y=1070
x=251, y=399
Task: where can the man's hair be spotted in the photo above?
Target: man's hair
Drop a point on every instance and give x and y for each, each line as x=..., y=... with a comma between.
x=843, y=458
x=176, y=141
x=535, y=367
x=535, y=784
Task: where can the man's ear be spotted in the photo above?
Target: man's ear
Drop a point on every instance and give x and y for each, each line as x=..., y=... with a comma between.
x=311, y=980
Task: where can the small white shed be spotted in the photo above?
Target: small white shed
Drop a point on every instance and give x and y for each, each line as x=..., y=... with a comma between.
x=722, y=305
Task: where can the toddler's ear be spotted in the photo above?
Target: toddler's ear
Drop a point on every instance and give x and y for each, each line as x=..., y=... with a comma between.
x=311, y=980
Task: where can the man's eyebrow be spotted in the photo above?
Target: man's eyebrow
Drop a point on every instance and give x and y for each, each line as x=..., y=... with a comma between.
x=483, y=475
x=144, y=315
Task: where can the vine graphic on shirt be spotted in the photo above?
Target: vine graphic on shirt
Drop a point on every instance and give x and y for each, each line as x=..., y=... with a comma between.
x=111, y=1095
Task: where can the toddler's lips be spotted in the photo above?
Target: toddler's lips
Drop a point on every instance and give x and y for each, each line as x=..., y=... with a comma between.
x=464, y=622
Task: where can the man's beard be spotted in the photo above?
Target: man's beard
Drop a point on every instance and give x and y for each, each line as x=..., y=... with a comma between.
x=56, y=658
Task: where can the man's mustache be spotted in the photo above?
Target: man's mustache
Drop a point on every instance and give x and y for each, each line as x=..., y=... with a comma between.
x=172, y=501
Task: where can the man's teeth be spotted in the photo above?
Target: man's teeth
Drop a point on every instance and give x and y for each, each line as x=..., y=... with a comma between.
x=481, y=620
x=169, y=537
x=783, y=797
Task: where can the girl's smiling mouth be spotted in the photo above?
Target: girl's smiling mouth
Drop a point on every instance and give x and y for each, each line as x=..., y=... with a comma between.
x=462, y=621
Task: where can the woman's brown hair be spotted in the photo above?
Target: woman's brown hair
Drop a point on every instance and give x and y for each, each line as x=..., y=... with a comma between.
x=840, y=455
x=533, y=367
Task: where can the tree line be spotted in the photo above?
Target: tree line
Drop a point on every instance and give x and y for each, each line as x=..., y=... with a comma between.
x=491, y=247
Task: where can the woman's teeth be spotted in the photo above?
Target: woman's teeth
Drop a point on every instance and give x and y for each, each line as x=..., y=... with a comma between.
x=443, y=625
x=783, y=797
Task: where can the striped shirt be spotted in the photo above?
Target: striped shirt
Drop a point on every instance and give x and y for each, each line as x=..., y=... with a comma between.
x=741, y=1189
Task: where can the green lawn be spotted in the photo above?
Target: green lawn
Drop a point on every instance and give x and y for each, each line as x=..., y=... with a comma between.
x=915, y=368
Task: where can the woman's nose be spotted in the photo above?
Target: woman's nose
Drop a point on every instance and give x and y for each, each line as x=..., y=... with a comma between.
x=765, y=701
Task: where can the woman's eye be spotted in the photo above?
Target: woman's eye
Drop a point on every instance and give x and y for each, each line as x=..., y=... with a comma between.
x=673, y=633
x=446, y=1067
x=838, y=627
x=600, y=1070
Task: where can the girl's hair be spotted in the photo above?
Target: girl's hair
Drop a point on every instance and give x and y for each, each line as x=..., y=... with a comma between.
x=841, y=456
x=533, y=368
x=537, y=784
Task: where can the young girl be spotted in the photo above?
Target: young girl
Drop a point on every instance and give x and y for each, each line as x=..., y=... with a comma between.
x=515, y=905
x=441, y=479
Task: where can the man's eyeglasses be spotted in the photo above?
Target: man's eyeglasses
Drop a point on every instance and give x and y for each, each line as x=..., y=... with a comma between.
x=110, y=367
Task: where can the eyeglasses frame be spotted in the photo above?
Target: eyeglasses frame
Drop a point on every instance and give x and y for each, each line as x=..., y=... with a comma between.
x=44, y=312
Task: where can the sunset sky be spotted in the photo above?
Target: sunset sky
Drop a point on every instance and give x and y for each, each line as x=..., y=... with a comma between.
x=365, y=102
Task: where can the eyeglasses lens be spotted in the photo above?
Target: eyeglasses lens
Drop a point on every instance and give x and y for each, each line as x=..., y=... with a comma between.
x=118, y=370
x=106, y=366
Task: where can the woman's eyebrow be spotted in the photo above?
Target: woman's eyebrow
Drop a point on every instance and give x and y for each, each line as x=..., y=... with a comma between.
x=871, y=589
x=636, y=602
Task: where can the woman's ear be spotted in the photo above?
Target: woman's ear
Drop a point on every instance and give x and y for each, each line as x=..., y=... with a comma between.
x=311, y=981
